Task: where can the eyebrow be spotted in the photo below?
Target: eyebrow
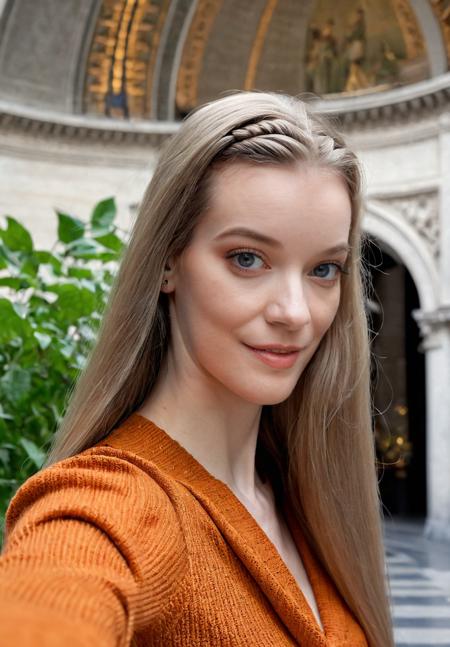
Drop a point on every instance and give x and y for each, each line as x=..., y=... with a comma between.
x=262, y=238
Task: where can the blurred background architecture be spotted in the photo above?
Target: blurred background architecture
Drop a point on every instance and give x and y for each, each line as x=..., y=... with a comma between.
x=89, y=89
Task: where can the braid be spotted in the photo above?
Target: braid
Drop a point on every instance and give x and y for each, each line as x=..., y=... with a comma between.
x=278, y=139
x=266, y=141
x=266, y=127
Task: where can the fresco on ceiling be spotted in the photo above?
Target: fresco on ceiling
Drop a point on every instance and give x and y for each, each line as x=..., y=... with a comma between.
x=371, y=43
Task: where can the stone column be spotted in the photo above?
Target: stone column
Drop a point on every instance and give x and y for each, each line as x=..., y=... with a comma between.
x=435, y=328
x=436, y=332
x=438, y=523
x=444, y=207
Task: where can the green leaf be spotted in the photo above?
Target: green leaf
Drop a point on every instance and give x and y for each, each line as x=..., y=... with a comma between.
x=47, y=258
x=110, y=241
x=5, y=416
x=12, y=325
x=30, y=266
x=4, y=456
x=16, y=237
x=66, y=349
x=103, y=214
x=12, y=482
x=107, y=257
x=73, y=302
x=43, y=339
x=34, y=453
x=80, y=273
x=15, y=384
x=3, y=256
x=84, y=248
x=69, y=228
x=13, y=282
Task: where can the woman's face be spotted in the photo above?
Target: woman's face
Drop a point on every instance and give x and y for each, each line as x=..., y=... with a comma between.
x=262, y=270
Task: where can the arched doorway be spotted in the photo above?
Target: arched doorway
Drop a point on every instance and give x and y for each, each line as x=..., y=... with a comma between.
x=398, y=382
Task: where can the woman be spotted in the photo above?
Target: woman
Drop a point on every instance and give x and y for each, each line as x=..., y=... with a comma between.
x=213, y=480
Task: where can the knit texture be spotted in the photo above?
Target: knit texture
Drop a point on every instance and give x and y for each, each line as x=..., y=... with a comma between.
x=133, y=542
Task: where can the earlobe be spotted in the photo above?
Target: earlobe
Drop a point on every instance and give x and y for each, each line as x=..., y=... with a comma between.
x=167, y=282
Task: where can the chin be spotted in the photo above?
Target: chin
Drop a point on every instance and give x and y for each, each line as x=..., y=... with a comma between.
x=267, y=396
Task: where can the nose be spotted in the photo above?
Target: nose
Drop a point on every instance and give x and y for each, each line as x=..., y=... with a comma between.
x=289, y=304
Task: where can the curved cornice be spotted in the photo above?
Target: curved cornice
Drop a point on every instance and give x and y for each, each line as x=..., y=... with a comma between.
x=420, y=100
x=379, y=106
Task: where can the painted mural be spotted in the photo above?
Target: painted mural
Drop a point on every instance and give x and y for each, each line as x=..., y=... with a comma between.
x=372, y=43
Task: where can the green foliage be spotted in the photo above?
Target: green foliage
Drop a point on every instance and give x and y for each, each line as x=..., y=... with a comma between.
x=50, y=308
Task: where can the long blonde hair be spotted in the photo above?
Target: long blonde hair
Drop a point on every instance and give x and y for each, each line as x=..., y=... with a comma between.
x=321, y=436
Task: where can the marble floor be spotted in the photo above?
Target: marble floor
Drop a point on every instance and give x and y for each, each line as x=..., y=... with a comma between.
x=419, y=576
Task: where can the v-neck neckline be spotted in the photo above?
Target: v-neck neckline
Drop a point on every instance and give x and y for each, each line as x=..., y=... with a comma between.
x=242, y=531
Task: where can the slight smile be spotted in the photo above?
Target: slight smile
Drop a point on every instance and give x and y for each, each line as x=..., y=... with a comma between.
x=276, y=357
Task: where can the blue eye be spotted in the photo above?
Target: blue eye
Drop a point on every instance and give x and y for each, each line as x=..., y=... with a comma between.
x=327, y=271
x=245, y=260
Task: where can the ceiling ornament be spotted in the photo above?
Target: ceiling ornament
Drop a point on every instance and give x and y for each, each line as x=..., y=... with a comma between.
x=193, y=53
x=258, y=44
x=410, y=29
x=121, y=62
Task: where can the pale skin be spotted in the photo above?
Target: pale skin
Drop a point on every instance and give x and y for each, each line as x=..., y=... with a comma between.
x=228, y=292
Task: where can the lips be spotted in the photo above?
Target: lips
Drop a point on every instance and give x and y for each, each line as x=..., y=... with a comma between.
x=276, y=348
x=273, y=357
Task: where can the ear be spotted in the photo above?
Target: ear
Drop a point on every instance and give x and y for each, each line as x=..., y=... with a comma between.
x=168, y=284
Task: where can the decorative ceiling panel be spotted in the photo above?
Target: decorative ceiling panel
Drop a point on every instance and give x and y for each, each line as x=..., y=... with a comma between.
x=193, y=54
x=121, y=63
x=213, y=46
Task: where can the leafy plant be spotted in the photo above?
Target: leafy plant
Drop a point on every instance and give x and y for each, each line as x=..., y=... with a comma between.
x=50, y=307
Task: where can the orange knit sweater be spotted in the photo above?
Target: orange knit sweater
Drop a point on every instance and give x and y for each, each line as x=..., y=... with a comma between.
x=133, y=542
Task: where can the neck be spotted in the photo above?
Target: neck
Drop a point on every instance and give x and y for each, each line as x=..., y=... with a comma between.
x=219, y=430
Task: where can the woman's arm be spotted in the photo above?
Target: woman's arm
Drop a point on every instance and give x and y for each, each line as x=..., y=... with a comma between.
x=93, y=553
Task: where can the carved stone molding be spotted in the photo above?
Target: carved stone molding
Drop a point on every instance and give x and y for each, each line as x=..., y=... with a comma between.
x=421, y=211
x=430, y=323
x=83, y=129
x=411, y=103
x=392, y=107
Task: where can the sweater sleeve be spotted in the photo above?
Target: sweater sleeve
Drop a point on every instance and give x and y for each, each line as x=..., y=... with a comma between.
x=93, y=553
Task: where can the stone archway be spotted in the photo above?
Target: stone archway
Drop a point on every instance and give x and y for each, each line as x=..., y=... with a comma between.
x=406, y=243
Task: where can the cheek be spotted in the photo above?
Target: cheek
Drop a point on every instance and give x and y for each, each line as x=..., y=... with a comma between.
x=326, y=312
x=214, y=299
x=206, y=312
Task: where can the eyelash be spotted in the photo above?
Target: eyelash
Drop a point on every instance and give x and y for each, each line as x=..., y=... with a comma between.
x=244, y=250
x=236, y=252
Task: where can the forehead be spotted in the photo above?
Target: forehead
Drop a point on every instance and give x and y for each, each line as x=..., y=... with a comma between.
x=283, y=201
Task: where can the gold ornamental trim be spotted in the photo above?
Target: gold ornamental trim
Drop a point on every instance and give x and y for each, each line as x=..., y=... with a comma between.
x=193, y=53
x=410, y=28
x=122, y=58
x=258, y=43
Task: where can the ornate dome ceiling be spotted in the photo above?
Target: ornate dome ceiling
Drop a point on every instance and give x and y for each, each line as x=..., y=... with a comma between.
x=162, y=58
x=157, y=59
